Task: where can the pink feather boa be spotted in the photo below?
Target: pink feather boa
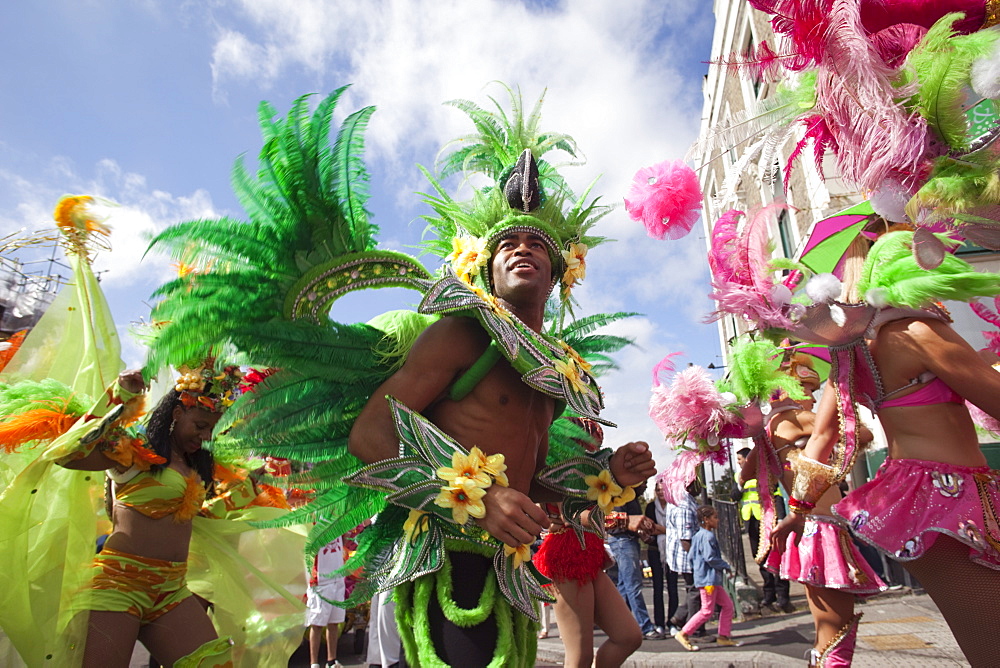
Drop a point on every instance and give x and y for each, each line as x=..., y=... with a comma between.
x=666, y=198
x=679, y=474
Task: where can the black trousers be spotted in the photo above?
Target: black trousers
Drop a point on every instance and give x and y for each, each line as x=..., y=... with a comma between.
x=656, y=566
x=473, y=646
x=775, y=589
x=691, y=603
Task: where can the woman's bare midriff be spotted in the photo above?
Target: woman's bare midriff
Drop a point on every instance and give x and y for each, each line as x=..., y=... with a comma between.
x=936, y=433
x=134, y=533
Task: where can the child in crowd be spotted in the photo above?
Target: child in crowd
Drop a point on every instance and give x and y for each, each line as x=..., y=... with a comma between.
x=708, y=564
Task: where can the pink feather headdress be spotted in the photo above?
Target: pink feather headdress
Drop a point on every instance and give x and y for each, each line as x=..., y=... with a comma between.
x=855, y=89
x=666, y=198
x=742, y=277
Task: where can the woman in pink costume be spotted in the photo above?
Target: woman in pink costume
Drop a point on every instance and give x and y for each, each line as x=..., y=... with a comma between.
x=933, y=504
x=821, y=555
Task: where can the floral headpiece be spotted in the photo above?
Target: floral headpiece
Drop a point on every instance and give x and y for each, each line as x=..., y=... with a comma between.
x=206, y=388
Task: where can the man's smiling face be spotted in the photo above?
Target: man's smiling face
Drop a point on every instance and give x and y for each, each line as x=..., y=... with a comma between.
x=521, y=262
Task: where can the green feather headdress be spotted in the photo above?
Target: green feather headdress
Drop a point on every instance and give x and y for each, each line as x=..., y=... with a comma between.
x=891, y=275
x=524, y=192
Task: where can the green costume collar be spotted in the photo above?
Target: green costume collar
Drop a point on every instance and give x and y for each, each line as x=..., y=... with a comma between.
x=545, y=363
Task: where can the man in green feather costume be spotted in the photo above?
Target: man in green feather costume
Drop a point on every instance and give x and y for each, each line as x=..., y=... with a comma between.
x=451, y=377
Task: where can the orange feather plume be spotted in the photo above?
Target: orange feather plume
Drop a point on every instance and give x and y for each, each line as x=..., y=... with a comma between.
x=34, y=425
x=15, y=341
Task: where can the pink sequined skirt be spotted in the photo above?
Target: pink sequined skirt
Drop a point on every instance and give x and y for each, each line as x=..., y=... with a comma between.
x=825, y=557
x=910, y=501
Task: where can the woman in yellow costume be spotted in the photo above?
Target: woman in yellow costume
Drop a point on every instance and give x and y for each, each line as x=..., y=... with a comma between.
x=138, y=589
x=59, y=606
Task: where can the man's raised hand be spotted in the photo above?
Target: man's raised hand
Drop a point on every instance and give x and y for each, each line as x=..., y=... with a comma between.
x=632, y=463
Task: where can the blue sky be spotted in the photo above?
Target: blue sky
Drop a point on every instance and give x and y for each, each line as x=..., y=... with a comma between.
x=149, y=102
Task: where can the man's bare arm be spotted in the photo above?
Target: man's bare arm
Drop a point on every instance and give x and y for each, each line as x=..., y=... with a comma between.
x=443, y=350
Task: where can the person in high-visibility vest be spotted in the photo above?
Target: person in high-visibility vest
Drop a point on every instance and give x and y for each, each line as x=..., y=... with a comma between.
x=776, y=590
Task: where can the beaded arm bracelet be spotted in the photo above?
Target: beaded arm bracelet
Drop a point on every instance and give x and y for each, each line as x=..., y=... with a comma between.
x=428, y=457
x=811, y=480
x=616, y=521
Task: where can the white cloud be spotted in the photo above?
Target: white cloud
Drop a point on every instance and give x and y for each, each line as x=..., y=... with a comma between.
x=132, y=210
x=628, y=105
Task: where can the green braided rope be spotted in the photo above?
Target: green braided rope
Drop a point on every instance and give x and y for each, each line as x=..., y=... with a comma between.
x=516, y=640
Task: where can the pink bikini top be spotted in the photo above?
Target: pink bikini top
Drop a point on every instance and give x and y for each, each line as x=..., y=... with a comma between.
x=934, y=392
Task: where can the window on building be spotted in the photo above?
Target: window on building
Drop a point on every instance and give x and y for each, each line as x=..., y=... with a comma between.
x=749, y=53
x=785, y=232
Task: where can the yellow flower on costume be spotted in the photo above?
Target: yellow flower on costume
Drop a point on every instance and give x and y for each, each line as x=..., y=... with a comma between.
x=522, y=553
x=72, y=213
x=466, y=466
x=493, y=465
x=627, y=495
x=416, y=523
x=575, y=356
x=603, y=489
x=491, y=300
x=576, y=264
x=468, y=256
x=572, y=373
x=464, y=498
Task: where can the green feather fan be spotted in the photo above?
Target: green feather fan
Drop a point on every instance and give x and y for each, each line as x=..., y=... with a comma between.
x=942, y=63
x=754, y=372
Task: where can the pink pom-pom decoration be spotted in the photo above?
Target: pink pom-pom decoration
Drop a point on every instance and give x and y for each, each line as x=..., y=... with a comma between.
x=666, y=198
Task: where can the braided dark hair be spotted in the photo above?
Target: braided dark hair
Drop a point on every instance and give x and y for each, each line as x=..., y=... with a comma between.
x=158, y=433
x=704, y=512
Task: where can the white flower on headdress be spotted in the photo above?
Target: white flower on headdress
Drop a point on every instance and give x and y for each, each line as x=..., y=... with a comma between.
x=576, y=264
x=468, y=256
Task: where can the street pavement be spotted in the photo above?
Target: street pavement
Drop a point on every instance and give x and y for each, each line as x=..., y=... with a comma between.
x=901, y=629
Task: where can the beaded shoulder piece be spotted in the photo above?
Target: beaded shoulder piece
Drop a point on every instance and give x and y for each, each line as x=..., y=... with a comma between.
x=545, y=364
